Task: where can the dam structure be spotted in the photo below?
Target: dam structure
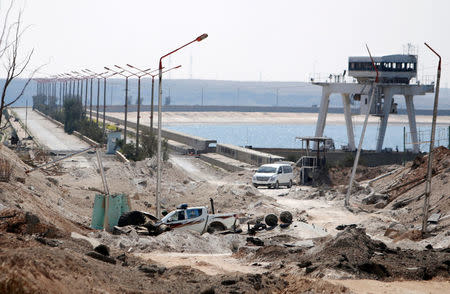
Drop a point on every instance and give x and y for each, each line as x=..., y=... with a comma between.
x=395, y=75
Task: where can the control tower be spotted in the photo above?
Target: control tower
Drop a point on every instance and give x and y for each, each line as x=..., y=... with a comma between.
x=395, y=74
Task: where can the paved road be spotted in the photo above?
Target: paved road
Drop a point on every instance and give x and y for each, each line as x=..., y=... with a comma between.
x=49, y=134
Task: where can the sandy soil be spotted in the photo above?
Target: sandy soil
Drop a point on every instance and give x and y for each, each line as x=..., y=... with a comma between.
x=210, y=264
x=179, y=118
x=397, y=287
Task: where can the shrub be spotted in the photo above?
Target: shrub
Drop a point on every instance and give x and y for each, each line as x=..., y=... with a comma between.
x=92, y=131
x=73, y=110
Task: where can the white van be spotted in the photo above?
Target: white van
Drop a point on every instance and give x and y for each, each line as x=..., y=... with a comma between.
x=273, y=175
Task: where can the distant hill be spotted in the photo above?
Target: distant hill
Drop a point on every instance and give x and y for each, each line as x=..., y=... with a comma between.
x=216, y=92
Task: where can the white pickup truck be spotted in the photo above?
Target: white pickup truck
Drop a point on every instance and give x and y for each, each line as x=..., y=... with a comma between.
x=197, y=219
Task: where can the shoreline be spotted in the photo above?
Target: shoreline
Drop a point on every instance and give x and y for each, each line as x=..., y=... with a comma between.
x=268, y=118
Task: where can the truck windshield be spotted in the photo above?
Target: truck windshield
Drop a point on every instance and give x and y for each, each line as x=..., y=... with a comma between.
x=266, y=169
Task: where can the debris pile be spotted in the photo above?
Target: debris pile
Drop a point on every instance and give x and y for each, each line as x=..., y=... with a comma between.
x=418, y=172
x=20, y=222
x=354, y=252
x=173, y=241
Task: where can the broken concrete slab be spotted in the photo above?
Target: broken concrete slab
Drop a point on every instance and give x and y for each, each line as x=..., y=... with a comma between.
x=434, y=218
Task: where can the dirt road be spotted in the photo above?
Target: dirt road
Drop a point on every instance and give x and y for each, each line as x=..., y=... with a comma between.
x=197, y=170
x=49, y=134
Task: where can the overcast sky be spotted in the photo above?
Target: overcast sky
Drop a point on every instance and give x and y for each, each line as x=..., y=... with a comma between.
x=248, y=40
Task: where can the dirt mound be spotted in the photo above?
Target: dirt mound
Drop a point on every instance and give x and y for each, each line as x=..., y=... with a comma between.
x=341, y=175
x=174, y=241
x=418, y=171
x=353, y=251
x=303, y=285
x=274, y=253
x=19, y=222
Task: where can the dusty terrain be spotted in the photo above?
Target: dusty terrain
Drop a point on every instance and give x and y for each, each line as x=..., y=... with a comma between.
x=46, y=245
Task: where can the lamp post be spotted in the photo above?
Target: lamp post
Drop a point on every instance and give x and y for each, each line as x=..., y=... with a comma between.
x=126, y=99
x=158, y=183
x=83, y=76
x=152, y=104
x=99, y=77
x=91, y=77
x=139, y=76
x=104, y=101
x=71, y=86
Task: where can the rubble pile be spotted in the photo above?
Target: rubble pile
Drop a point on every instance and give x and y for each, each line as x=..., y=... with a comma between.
x=418, y=172
x=354, y=252
x=173, y=241
x=20, y=222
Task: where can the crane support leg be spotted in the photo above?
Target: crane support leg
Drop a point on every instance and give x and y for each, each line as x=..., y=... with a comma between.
x=388, y=95
x=348, y=121
x=323, y=111
x=412, y=122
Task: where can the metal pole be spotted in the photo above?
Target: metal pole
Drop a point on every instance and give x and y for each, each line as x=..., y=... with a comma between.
x=85, y=97
x=78, y=89
x=426, y=203
x=60, y=95
x=138, y=116
x=404, y=146
x=60, y=159
x=98, y=98
x=90, y=103
x=102, y=172
x=104, y=106
x=126, y=111
x=358, y=152
x=151, y=108
x=81, y=91
x=158, y=182
x=361, y=139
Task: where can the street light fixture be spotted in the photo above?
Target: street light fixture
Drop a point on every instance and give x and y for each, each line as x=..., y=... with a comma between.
x=139, y=76
x=126, y=99
x=78, y=78
x=84, y=76
x=158, y=183
x=91, y=77
x=104, y=101
x=151, y=106
x=98, y=76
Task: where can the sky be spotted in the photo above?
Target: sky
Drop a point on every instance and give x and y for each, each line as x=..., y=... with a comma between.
x=248, y=40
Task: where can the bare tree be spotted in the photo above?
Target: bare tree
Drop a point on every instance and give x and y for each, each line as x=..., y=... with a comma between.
x=13, y=61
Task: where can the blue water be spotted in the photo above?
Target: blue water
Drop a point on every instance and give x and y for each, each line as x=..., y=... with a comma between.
x=283, y=136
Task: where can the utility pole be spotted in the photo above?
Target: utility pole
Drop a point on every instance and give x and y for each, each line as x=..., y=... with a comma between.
x=426, y=203
x=98, y=97
x=104, y=106
x=85, y=96
x=26, y=115
x=90, y=102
